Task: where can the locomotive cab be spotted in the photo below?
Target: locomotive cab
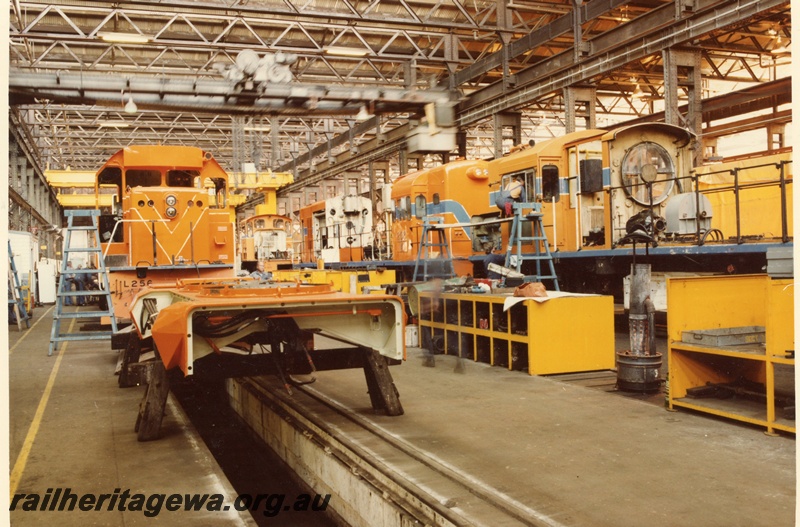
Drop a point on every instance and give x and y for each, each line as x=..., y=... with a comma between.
x=171, y=219
x=267, y=238
x=164, y=208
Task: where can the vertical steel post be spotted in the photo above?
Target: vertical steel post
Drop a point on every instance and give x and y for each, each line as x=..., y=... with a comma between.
x=736, y=199
x=784, y=214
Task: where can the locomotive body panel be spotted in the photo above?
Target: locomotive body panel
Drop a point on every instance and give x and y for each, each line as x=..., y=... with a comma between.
x=170, y=219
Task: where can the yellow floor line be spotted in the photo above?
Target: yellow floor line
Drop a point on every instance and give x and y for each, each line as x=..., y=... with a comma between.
x=22, y=458
x=30, y=329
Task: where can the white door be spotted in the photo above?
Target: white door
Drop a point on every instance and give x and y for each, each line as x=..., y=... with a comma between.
x=47, y=281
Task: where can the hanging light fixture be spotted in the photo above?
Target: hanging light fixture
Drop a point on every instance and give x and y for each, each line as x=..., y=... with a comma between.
x=780, y=48
x=363, y=114
x=130, y=106
x=124, y=38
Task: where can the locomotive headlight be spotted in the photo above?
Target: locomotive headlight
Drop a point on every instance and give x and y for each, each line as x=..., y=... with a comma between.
x=171, y=200
x=171, y=212
x=648, y=173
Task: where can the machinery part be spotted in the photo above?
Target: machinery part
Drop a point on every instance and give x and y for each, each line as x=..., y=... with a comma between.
x=151, y=409
x=382, y=391
x=682, y=215
x=638, y=368
x=645, y=222
x=638, y=373
x=130, y=355
x=218, y=325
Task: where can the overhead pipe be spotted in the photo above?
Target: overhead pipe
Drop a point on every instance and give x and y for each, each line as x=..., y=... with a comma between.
x=213, y=95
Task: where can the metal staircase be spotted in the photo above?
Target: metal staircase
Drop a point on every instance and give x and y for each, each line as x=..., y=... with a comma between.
x=541, y=248
x=440, y=266
x=64, y=289
x=16, y=300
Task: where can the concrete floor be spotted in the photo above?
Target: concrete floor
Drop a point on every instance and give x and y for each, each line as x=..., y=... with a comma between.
x=576, y=455
x=582, y=456
x=85, y=440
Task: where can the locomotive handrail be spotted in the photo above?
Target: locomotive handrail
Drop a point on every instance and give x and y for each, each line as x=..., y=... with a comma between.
x=781, y=180
x=751, y=167
x=454, y=225
x=114, y=230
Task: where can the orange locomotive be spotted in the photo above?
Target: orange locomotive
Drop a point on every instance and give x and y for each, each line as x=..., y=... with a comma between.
x=170, y=219
x=599, y=192
x=458, y=192
x=337, y=230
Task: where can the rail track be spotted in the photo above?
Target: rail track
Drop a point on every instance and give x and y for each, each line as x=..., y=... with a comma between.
x=427, y=489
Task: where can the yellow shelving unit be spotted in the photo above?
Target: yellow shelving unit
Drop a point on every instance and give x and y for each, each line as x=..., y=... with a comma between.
x=723, y=302
x=561, y=335
x=340, y=280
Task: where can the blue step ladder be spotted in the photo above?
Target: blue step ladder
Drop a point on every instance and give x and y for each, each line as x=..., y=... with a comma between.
x=64, y=288
x=541, y=248
x=16, y=300
x=442, y=265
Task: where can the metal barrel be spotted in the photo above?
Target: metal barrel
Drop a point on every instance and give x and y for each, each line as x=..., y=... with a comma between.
x=638, y=373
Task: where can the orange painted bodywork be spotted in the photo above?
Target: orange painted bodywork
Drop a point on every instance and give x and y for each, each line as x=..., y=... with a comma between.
x=462, y=189
x=197, y=230
x=547, y=153
x=125, y=284
x=170, y=330
x=307, y=223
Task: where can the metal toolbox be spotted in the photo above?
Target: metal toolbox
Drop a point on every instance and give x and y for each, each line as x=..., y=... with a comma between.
x=726, y=336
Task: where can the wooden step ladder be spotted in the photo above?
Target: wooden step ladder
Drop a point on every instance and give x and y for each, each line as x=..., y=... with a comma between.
x=440, y=266
x=16, y=300
x=64, y=289
x=541, y=248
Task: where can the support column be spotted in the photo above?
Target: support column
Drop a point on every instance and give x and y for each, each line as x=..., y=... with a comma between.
x=583, y=97
x=40, y=197
x=310, y=195
x=28, y=182
x=511, y=120
x=710, y=149
x=372, y=182
x=275, y=144
x=451, y=58
x=682, y=69
x=776, y=136
x=461, y=143
x=580, y=48
x=410, y=73
x=403, y=161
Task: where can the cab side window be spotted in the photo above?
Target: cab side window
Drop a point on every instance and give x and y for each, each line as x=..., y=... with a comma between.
x=550, y=183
